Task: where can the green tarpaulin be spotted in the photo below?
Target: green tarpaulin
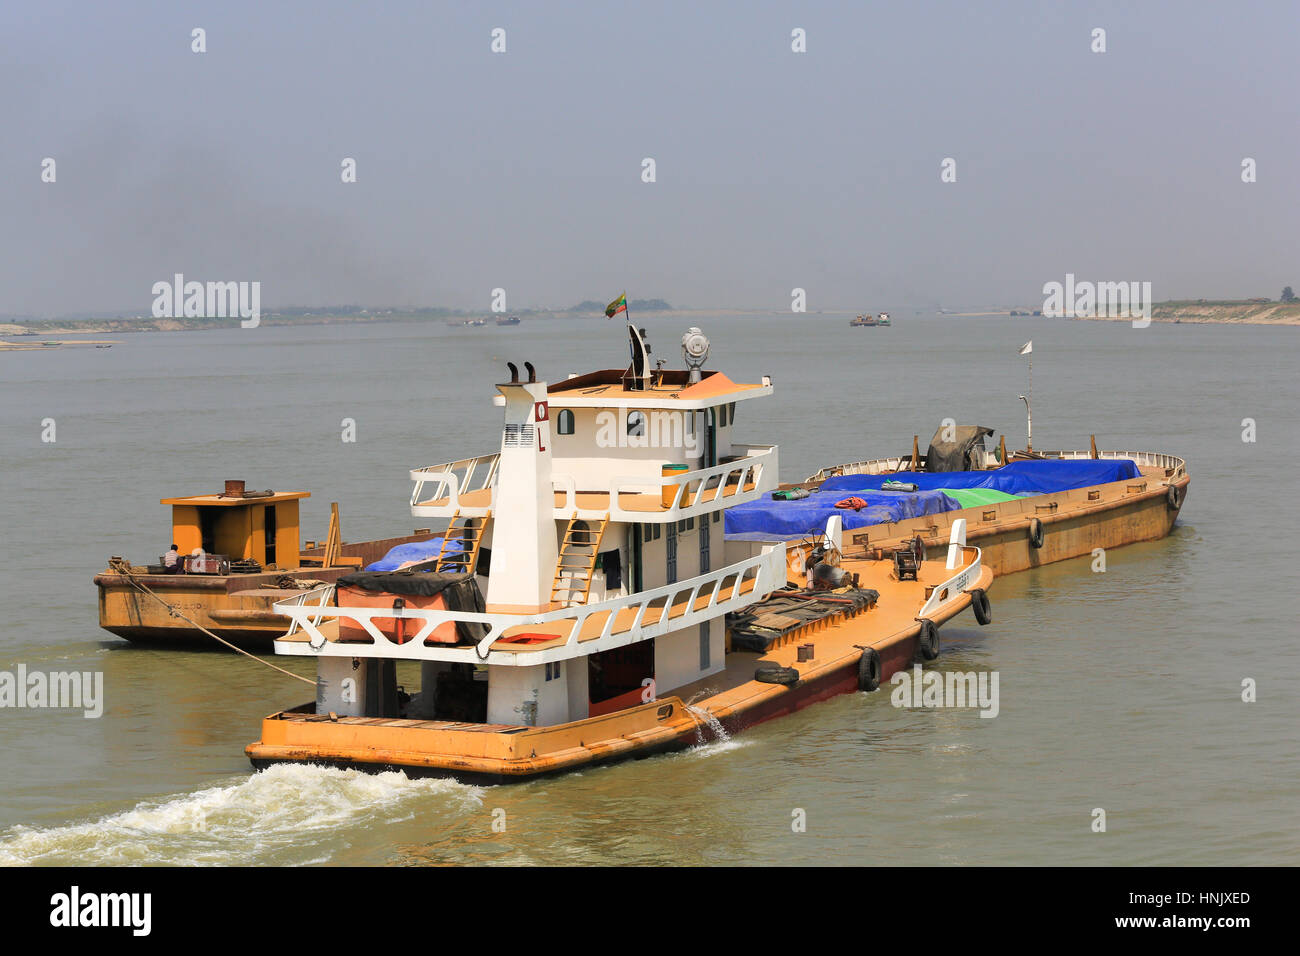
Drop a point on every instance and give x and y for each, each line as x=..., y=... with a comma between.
x=974, y=497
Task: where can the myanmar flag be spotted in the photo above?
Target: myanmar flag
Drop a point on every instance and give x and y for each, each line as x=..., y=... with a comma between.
x=617, y=306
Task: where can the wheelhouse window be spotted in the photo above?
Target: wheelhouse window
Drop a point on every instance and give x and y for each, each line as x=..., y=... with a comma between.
x=636, y=423
x=564, y=423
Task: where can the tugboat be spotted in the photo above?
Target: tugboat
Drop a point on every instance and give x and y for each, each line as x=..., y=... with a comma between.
x=594, y=609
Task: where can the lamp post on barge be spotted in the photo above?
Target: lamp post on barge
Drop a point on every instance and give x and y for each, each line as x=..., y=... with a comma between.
x=1028, y=349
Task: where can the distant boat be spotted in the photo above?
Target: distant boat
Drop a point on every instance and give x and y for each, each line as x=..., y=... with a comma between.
x=883, y=319
x=864, y=321
x=508, y=320
x=103, y=346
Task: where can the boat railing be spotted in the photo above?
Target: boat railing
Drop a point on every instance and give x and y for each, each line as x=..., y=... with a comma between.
x=870, y=466
x=695, y=492
x=884, y=466
x=320, y=595
x=1176, y=467
x=454, y=479
x=960, y=555
x=588, y=628
x=440, y=489
x=568, y=485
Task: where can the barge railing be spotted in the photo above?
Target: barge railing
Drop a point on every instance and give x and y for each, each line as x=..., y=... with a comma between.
x=1175, y=466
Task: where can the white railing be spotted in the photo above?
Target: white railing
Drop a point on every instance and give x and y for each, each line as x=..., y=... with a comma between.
x=456, y=478
x=695, y=492
x=871, y=466
x=955, y=586
x=885, y=466
x=699, y=491
x=724, y=588
x=1152, y=459
x=322, y=594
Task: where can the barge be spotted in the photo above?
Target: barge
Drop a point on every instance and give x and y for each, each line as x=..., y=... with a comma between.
x=1141, y=503
x=596, y=610
x=238, y=553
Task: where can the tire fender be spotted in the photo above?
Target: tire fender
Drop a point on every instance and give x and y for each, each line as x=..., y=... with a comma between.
x=869, y=670
x=927, y=642
x=772, y=674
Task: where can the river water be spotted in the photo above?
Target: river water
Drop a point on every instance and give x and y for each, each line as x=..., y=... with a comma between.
x=1119, y=690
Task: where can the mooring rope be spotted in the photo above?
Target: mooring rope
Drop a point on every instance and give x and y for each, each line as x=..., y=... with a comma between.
x=123, y=568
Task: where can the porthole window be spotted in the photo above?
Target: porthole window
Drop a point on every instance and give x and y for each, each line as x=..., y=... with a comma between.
x=564, y=423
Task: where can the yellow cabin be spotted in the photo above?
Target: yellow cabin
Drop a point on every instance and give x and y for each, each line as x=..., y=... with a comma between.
x=262, y=526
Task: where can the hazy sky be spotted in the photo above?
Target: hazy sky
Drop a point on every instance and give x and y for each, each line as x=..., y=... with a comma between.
x=522, y=170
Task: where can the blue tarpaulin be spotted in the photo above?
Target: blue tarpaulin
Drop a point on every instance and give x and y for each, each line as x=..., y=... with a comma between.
x=785, y=519
x=772, y=519
x=414, y=551
x=1017, y=478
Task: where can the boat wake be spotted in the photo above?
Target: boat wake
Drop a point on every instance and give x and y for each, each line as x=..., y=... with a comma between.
x=269, y=818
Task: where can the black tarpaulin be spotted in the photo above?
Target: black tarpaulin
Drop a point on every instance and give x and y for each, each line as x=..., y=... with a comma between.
x=460, y=592
x=955, y=455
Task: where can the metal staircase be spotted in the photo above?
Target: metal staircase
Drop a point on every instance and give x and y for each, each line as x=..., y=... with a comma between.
x=470, y=536
x=579, y=551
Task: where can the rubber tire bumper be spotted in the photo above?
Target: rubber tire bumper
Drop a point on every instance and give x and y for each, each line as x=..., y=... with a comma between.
x=927, y=642
x=776, y=675
x=1036, y=533
x=869, y=670
x=979, y=603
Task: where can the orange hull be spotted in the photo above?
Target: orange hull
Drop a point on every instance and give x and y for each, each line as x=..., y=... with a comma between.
x=500, y=753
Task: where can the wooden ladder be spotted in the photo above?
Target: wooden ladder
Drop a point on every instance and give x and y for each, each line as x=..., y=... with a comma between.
x=576, y=565
x=470, y=537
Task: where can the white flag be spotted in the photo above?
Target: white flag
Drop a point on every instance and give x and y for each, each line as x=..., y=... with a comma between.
x=1027, y=347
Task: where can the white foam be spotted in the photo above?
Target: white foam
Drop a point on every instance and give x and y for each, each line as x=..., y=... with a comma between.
x=714, y=747
x=250, y=821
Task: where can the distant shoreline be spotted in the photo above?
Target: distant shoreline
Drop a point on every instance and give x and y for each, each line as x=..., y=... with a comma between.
x=1193, y=312
x=1207, y=312
x=109, y=326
